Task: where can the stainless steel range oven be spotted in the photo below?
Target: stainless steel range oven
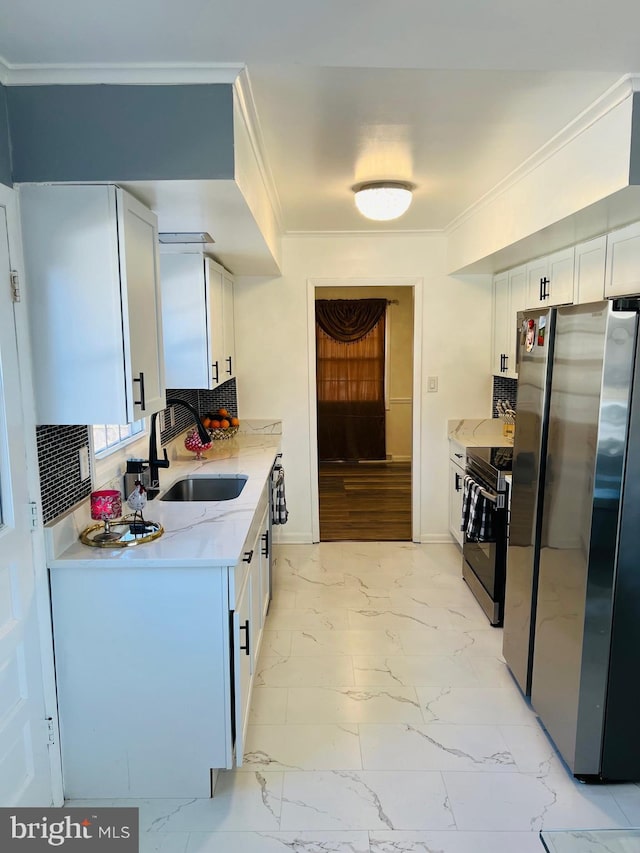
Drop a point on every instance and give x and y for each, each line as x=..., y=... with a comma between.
x=485, y=542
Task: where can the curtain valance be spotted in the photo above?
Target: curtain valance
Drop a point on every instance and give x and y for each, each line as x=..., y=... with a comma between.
x=349, y=320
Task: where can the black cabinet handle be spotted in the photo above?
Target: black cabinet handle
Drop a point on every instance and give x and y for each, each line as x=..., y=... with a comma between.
x=458, y=478
x=245, y=628
x=214, y=366
x=506, y=365
x=141, y=402
x=544, y=293
x=229, y=369
x=458, y=455
x=248, y=556
x=265, y=539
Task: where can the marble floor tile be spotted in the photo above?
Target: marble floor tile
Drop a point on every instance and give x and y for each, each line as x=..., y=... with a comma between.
x=454, y=842
x=492, y=672
x=414, y=670
x=350, y=642
x=452, y=596
x=302, y=747
x=164, y=842
x=442, y=747
x=268, y=705
x=628, y=798
x=342, y=598
x=279, y=842
x=520, y=802
x=475, y=706
x=365, y=800
x=275, y=642
x=320, y=671
x=307, y=619
x=532, y=750
x=354, y=704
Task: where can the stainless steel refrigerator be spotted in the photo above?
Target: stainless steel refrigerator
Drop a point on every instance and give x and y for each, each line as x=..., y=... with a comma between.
x=534, y=350
x=586, y=638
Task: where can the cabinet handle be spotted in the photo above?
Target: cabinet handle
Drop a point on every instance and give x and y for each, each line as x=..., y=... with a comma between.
x=506, y=365
x=141, y=402
x=457, y=482
x=248, y=556
x=214, y=366
x=229, y=369
x=458, y=455
x=265, y=539
x=544, y=293
x=245, y=628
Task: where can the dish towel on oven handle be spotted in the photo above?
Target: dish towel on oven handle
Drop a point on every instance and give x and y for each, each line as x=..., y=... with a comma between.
x=279, y=511
x=476, y=512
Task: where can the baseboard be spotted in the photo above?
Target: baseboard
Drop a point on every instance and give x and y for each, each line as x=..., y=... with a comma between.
x=437, y=539
x=291, y=537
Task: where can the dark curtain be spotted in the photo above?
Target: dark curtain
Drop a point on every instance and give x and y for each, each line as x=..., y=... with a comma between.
x=350, y=340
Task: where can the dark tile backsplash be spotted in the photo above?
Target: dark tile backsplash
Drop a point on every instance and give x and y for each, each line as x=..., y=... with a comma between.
x=58, y=446
x=504, y=389
x=60, y=483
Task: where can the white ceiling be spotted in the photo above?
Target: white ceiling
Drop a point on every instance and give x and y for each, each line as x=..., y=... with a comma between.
x=452, y=95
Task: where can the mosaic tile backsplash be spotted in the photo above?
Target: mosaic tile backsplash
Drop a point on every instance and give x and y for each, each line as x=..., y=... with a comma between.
x=60, y=483
x=58, y=446
x=506, y=390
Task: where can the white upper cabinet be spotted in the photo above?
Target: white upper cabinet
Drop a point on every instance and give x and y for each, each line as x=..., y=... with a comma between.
x=622, y=276
x=197, y=307
x=93, y=298
x=590, y=270
x=509, y=297
x=550, y=280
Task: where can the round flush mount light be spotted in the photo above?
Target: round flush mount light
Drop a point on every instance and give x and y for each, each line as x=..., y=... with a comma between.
x=383, y=200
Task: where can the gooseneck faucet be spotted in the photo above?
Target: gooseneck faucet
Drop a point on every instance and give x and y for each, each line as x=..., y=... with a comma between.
x=154, y=463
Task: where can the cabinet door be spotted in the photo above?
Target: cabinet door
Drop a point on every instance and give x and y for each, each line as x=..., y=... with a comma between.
x=242, y=676
x=256, y=601
x=561, y=276
x=215, y=323
x=537, y=277
x=265, y=565
x=590, y=270
x=229, y=355
x=500, y=321
x=456, y=475
x=517, y=302
x=184, y=321
x=623, y=262
x=142, y=319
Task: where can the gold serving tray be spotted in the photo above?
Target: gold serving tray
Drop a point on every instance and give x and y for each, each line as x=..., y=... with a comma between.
x=153, y=530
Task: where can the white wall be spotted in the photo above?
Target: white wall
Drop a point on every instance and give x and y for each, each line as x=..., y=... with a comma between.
x=272, y=354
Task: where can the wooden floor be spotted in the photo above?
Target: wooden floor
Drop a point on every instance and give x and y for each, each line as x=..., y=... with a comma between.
x=365, y=501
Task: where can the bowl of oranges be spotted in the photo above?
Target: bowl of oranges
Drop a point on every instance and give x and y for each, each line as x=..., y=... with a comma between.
x=220, y=424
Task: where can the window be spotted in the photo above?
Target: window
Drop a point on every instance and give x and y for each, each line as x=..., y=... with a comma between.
x=109, y=437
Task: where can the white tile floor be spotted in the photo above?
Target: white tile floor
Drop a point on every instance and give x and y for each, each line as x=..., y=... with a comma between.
x=384, y=719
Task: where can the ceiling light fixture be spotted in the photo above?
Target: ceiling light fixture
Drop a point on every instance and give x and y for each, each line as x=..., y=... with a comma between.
x=383, y=200
x=185, y=237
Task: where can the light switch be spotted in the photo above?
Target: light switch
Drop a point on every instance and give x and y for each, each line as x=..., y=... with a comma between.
x=432, y=384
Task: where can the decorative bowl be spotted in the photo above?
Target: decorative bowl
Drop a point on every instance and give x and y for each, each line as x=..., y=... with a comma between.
x=221, y=434
x=193, y=442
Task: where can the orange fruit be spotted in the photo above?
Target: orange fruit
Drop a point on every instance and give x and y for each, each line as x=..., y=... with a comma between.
x=235, y=422
x=215, y=424
x=206, y=422
x=223, y=413
x=225, y=424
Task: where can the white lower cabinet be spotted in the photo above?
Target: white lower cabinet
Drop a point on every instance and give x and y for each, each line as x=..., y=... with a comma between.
x=154, y=671
x=457, y=463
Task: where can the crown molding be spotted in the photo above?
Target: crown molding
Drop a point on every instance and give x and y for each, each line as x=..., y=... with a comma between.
x=249, y=112
x=624, y=88
x=387, y=232
x=143, y=73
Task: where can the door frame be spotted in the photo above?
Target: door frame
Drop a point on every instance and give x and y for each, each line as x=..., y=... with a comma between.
x=9, y=200
x=416, y=284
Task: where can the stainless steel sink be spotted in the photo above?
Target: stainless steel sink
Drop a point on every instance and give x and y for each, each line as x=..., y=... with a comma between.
x=206, y=489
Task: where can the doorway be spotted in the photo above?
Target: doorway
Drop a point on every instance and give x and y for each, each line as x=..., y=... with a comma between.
x=365, y=453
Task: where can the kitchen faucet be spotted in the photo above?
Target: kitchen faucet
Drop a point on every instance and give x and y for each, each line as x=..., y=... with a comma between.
x=154, y=463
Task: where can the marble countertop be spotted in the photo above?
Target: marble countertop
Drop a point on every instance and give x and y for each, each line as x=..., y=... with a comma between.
x=478, y=432
x=210, y=533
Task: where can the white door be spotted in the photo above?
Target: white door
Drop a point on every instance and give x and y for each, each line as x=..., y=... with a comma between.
x=25, y=774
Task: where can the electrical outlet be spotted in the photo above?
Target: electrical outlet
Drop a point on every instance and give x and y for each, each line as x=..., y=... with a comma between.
x=432, y=384
x=83, y=459
x=172, y=416
x=161, y=420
